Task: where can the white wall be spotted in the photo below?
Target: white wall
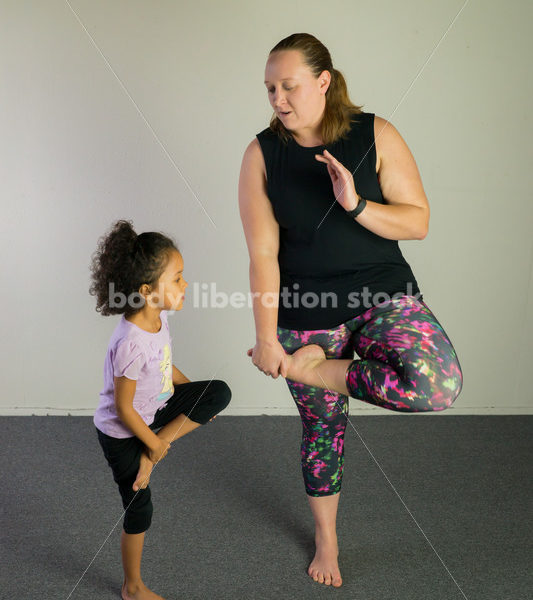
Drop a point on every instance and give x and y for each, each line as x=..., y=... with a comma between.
x=76, y=154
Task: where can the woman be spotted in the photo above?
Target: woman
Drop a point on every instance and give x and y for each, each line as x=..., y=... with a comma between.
x=325, y=247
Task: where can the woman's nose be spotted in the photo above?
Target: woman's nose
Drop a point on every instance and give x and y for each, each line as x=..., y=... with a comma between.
x=279, y=100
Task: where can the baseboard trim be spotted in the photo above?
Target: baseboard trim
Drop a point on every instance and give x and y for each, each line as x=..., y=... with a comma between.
x=283, y=411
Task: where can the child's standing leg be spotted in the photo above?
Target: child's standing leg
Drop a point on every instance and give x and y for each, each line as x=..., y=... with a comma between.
x=200, y=400
x=124, y=457
x=131, y=545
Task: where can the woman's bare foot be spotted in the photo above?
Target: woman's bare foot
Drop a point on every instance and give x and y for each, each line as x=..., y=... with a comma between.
x=303, y=362
x=324, y=567
x=138, y=592
x=143, y=476
x=309, y=365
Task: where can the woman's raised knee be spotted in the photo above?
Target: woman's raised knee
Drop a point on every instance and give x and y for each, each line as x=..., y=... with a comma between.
x=442, y=394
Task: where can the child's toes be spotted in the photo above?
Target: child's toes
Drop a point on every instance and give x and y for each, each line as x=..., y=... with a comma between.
x=140, y=484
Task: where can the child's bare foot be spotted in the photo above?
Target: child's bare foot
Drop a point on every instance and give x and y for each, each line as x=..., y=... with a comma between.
x=324, y=567
x=143, y=476
x=303, y=362
x=138, y=592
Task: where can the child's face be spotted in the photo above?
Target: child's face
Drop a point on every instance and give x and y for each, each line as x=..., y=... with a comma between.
x=171, y=284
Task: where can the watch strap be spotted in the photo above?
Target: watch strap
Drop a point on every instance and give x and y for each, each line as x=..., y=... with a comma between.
x=358, y=209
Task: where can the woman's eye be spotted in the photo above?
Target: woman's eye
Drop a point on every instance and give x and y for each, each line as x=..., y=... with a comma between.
x=287, y=88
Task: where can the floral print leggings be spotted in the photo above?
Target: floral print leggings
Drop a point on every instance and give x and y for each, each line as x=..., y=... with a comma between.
x=407, y=364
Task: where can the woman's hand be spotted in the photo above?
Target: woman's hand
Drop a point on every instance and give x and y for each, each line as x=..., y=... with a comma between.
x=270, y=358
x=342, y=179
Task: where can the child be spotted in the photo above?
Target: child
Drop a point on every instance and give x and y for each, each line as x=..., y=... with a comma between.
x=141, y=277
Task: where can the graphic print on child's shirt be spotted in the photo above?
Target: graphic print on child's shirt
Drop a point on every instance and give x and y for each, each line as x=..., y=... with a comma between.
x=165, y=366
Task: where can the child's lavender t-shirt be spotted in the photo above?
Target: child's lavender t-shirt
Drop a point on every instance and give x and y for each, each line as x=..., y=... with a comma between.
x=145, y=357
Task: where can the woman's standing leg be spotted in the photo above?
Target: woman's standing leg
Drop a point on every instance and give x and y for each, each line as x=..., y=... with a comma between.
x=323, y=415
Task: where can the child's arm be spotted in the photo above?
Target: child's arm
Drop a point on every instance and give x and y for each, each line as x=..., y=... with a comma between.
x=124, y=393
x=178, y=377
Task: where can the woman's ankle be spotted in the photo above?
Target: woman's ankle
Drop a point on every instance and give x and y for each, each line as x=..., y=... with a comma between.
x=323, y=530
x=132, y=585
x=325, y=534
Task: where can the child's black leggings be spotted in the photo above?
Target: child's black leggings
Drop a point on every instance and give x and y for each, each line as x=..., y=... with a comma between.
x=199, y=401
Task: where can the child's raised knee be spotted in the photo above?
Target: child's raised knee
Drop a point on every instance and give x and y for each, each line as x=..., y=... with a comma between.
x=223, y=393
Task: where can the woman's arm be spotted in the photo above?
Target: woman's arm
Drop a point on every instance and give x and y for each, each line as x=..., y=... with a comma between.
x=261, y=230
x=264, y=285
x=406, y=214
x=262, y=238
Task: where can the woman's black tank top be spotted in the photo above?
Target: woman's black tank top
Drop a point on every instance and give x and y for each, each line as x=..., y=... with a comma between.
x=331, y=267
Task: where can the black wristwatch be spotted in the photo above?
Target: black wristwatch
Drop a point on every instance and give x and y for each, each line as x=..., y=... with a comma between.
x=358, y=209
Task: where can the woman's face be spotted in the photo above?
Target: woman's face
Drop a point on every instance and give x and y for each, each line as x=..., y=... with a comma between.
x=293, y=89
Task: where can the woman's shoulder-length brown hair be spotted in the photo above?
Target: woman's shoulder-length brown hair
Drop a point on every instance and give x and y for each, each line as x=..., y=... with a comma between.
x=339, y=112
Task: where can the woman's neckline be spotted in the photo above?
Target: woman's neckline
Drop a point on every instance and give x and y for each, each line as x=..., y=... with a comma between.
x=307, y=147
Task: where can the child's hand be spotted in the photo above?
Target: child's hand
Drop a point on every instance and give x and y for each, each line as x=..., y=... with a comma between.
x=157, y=454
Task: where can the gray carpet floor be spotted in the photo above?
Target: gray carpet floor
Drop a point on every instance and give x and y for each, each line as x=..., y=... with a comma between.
x=432, y=507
